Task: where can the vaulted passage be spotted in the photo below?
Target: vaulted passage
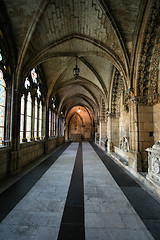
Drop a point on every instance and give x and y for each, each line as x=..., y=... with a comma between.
x=92, y=199
x=75, y=72
x=79, y=124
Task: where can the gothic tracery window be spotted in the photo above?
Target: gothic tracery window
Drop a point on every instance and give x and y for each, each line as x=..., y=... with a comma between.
x=29, y=117
x=40, y=120
x=31, y=109
x=22, y=117
x=52, y=120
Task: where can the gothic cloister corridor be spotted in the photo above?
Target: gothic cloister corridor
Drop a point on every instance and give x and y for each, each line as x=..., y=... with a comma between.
x=78, y=192
x=79, y=119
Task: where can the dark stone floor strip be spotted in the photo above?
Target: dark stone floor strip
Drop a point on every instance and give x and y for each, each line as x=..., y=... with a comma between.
x=146, y=206
x=72, y=224
x=11, y=196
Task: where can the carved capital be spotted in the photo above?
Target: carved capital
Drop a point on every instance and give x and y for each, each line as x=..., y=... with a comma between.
x=139, y=100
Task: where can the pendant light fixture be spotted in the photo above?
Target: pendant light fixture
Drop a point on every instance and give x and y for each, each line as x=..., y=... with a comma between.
x=76, y=69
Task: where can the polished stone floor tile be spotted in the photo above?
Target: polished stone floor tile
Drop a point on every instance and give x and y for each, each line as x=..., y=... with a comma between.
x=38, y=215
x=108, y=213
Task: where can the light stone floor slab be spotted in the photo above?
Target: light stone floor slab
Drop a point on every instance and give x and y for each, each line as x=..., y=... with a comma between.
x=108, y=213
x=38, y=215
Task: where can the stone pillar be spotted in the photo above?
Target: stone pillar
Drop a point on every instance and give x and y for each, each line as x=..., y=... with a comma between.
x=66, y=132
x=57, y=126
x=7, y=117
x=109, y=134
x=134, y=156
x=46, y=130
x=25, y=119
x=113, y=132
x=146, y=139
x=15, y=165
x=44, y=117
x=100, y=131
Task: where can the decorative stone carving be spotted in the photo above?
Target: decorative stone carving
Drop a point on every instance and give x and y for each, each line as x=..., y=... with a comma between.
x=128, y=95
x=124, y=144
x=139, y=99
x=116, y=92
x=103, y=110
x=154, y=163
x=147, y=81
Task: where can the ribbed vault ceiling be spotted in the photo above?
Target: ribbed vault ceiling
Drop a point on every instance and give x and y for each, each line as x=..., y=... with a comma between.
x=51, y=33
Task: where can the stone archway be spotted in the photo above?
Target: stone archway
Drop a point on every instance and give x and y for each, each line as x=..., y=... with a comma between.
x=79, y=124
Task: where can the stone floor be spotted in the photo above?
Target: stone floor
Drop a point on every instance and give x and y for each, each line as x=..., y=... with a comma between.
x=77, y=193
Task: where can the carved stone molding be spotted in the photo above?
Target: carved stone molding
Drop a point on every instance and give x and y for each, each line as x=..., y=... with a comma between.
x=154, y=162
x=128, y=95
x=139, y=100
x=146, y=100
x=146, y=82
x=116, y=92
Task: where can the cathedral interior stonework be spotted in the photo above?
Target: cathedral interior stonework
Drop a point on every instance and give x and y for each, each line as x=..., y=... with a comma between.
x=81, y=71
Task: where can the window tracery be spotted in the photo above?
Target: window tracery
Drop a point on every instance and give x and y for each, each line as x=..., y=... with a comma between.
x=52, y=119
x=31, y=109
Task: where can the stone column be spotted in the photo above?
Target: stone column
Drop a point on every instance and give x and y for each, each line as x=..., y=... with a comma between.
x=44, y=117
x=66, y=132
x=46, y=129
x=14, y=165
x=100, y=131
x=109, y=134
x=134, y=157
x=113, y=132
x=25, y=119
x=146, y=139
x=7, y=117
x=57, y=126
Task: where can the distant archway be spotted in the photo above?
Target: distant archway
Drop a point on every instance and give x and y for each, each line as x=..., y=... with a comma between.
x=79, y=124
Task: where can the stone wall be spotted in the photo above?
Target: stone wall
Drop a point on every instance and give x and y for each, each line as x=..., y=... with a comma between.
x=52, y=143
x=30, y=151
x=5, y=154
x=156, y=122
x=115, y=131
x=27, y=153
x=146, y=139
x=124, y=125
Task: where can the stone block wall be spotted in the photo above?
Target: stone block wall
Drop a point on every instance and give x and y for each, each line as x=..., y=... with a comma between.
x=115, y=131
x=30, y=151
x=123, y=125
x=156, y=122
x=5, y=154
x=146, y=139
x=27, y=153
x=53, y=143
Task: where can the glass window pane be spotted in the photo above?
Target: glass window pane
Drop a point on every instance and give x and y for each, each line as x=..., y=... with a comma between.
x=40, y=119
x=35, y=119
x=29, y=109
